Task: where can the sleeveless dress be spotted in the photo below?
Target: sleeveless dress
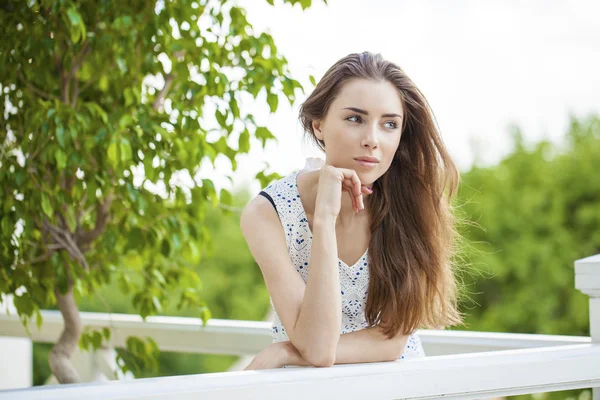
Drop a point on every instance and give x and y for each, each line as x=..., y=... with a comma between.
x=354, y=279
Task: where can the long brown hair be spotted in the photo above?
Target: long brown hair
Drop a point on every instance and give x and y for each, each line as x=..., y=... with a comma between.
x=413, y=236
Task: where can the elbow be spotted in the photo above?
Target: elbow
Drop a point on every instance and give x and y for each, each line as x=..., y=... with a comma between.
x=318, y=352
x=395, y=356
x=322, y=360
x=319, y=357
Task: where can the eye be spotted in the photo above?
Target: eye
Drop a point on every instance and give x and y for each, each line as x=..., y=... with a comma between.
x=393, y=124
x=350, y=118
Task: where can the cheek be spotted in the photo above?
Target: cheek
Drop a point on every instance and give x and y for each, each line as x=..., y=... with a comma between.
x=389, y=144
x=342, y=137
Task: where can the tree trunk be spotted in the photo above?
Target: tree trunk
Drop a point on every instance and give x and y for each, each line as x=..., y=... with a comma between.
x=60, y=356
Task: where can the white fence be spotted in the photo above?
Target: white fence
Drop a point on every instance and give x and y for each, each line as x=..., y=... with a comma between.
x=460, y=365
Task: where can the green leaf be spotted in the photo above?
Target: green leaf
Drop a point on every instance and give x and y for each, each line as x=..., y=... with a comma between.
x=113, y=155
x=24, y=305
x=74, y=16
x=84, y=341
x=159, y=277
x=71, y=218
x=46, y=206
x=125, y=148
x=122, y=64
x=305, y=4
x=103, y=83
x=77, y=28
x=73, y=132
x=156, y=303
x=221, y=118
x=244, y=142
x=60, y=136
x=61, y=159
x=96, y=110
x=273, y=101
x=205, y=314
x=165, y=248
x=226, y=197
x=233, y=105
x=124, y=284
x=263, y=134
x=312, y=80
x=38, y=319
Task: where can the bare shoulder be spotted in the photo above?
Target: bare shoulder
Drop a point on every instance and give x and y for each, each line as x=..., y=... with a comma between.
x=259, y=209
x=262, y=229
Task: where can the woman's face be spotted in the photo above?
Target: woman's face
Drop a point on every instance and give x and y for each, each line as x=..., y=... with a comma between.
x=364, y=120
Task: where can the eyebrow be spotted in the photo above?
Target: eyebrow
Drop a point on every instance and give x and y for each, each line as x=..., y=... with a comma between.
x=358, y=110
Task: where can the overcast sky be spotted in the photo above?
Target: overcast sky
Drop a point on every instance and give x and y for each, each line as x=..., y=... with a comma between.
x=483, y=66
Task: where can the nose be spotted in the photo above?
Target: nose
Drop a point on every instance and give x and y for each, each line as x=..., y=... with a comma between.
x=369, y=140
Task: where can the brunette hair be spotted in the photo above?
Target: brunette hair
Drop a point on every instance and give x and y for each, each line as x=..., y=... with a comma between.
x=413, y=236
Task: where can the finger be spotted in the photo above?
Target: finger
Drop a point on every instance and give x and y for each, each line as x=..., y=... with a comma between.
x=355, y=190
x=347, y=187
x=356, y=187
x=353, y=176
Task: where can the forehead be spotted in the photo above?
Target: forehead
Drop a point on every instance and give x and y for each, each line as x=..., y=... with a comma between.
x=379, y=97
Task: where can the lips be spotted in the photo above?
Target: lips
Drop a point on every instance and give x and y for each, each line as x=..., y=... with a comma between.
x=367, y=159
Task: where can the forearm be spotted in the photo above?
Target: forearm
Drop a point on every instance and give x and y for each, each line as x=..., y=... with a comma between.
x=362, y=346
x=319, y=320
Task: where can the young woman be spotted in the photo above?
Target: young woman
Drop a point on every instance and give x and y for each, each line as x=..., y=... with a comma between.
x=356, y=252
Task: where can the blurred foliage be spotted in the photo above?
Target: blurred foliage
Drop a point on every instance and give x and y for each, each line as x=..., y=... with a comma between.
x=107, y=108
x=528, y=219
x=537, y=212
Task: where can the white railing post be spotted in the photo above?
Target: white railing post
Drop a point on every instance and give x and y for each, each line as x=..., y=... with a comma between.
x=587, y=280
x=16, y=369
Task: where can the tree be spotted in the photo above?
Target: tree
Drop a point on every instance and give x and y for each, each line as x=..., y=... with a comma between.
x=528, y=218
x=104, y=102
x=536, y=212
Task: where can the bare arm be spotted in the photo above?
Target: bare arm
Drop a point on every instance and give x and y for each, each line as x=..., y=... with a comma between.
x=363, y=346
x=320, y=319
x=313, y=321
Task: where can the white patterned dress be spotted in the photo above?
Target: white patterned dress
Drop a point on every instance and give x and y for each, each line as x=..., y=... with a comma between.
x=354, y=279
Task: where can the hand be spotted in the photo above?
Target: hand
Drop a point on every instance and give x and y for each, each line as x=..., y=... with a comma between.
x=332, y=182
x=274, y=355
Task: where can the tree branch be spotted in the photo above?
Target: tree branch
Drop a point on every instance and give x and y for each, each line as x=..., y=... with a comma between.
x=102, y=217
x=66, y=182
x=33, y=88
x=64, y=238
x=44, y=257
x=160, y=97
x=75, y=66
x=80, y=213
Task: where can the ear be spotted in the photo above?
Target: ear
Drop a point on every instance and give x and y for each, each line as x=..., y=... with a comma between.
x=316, y=125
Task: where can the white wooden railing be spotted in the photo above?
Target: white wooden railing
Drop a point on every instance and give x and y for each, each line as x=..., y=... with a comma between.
x=460, y=364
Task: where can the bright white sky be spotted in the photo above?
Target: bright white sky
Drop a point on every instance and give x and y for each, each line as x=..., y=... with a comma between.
x=482, y=65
